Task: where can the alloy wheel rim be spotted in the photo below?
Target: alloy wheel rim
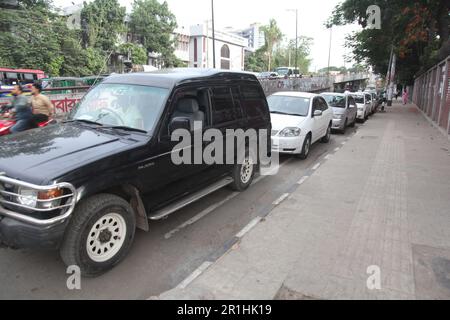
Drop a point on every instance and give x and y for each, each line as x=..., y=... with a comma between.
x=106, y=237
x=246, y=170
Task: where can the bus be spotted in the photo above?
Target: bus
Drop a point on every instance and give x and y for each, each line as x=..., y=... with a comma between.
x=10, y=77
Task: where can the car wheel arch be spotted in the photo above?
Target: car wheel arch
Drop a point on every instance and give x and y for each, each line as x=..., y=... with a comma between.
x=132, y=195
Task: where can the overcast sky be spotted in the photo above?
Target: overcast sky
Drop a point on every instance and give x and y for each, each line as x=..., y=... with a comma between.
x=240, y=13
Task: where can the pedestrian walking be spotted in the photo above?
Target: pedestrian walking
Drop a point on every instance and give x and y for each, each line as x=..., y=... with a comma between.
x=42, y=107
x=405, y=97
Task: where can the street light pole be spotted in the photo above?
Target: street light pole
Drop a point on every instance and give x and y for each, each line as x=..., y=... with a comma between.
x=213, y=35
x=296, y=42
x=329, y=51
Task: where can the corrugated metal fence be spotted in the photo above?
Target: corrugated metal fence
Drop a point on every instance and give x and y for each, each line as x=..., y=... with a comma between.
x=432, y=94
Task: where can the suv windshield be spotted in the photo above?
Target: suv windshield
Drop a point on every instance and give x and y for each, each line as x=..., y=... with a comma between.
x=124, y=105
x=335, y=101
x=289, y=105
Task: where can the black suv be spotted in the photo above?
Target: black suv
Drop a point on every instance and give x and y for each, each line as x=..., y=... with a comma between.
x=84, y=185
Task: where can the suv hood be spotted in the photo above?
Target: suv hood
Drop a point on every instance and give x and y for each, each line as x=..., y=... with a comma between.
x=39, y=156
x=281, y=121
x=338, y=110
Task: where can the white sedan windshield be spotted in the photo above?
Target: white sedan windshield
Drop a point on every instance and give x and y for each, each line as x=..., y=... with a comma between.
x=125, y=105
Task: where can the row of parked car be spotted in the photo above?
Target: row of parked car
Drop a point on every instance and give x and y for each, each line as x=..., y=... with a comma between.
x=83, y=186
x=300, y=119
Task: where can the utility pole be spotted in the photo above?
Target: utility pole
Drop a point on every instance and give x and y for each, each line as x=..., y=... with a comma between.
x=296, y=42
x=329, y=52
x=213, y=35
x=296, y=39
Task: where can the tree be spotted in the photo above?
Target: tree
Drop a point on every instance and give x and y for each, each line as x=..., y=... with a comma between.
x=136, y=52
x=103, y=22
x=285, y=55
x=273, y=36
x=152, y=24
x=418, y=31
x=255, y=61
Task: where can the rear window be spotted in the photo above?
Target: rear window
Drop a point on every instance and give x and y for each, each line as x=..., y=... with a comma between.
x=335, y=101
x=359, y=99
x=254, y=101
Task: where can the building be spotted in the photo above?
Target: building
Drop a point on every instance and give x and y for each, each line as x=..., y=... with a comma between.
x=182, y=37
x=229, y=49
x=254, y=35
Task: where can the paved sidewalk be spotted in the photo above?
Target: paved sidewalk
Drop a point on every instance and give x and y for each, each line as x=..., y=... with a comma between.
x=382, y=200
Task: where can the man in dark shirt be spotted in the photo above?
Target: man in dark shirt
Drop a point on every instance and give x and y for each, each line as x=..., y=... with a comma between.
x=22, y=110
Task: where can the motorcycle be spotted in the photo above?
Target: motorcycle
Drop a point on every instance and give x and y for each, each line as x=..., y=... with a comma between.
x=6, y=122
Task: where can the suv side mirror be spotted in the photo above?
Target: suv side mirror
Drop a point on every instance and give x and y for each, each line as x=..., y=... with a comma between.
x=318, y=113
x=179, y=123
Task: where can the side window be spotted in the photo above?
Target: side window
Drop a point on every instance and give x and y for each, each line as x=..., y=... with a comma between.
x=222, y=105
x=253, y=101
x=324, y=104
x=235, y=92
x=350, y=101
x=315, y=106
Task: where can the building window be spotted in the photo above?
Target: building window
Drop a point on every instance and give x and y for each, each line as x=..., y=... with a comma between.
x=225, y=57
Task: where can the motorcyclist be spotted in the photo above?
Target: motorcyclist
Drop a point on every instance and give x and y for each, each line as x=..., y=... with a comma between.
x=21, y=108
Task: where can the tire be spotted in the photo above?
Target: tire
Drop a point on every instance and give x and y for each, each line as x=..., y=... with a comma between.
x=243, y=173
x=305, y=148
x=102, y=210
x=327, y=136
x=353, y=123
x=345, y=127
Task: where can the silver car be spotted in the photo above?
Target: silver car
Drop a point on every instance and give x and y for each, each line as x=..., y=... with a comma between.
x=344, y=110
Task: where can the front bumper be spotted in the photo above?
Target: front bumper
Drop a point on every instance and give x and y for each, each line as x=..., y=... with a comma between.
x=16, y=234
x=22, y=226
x=288, y=145
x=338, y=124
x=361, y=114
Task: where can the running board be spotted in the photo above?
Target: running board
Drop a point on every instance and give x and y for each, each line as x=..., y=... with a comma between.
x=164, y=212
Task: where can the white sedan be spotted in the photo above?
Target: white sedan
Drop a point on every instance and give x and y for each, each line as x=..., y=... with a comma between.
x=298, y=120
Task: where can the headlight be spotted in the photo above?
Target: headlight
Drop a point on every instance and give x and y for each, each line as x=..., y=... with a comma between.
x=31, y=197
x=27, y=197
x=338, y=116
x=290, y=132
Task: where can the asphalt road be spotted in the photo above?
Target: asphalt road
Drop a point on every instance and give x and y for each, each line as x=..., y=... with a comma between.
x=162, y=258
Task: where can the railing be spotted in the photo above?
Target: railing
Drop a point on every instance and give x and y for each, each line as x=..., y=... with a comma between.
x=432, y=94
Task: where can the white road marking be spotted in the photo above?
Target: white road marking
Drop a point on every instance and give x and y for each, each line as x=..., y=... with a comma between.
x=316, y=166
x=343, y=143
x=327, y=156
x=337, y=149
x=200, y=215
x=213, y=207
x=248, y=227
x=303, y=179
x=280, y=199
x=205, y=265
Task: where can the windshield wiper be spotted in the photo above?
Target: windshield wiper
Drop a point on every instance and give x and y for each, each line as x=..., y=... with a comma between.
x=85, y=121
x=124, y=128
x=286, y=113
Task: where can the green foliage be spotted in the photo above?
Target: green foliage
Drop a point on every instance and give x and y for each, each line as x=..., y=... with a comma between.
x=103, y=21
x=285, y=55
x=137, y=53
x=418, y=31
x=273, y=36
x=152, y=24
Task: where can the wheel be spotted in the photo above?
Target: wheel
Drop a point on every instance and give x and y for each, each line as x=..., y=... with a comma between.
x=353, y=123
x=306, y=147
x=99, y=235
x=345, y=127
x=326, y=138
x=243, y=173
